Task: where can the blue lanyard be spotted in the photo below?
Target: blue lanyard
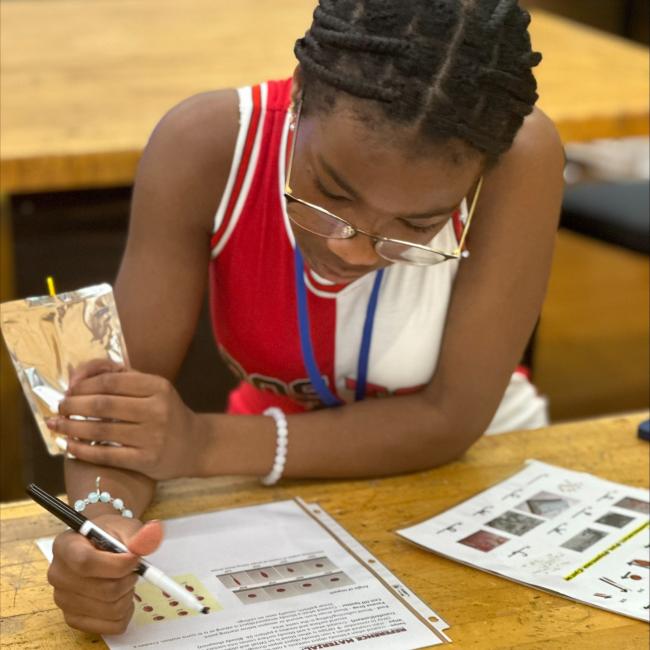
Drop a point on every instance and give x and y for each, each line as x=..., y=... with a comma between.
x=325, y=394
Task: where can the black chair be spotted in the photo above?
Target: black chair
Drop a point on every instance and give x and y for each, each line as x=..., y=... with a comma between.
x=618, y=213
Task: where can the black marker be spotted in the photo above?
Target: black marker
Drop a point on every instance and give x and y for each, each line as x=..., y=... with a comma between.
x=102, y=540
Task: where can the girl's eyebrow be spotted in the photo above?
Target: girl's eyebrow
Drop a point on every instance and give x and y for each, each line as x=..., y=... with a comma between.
x=341, y=182
x=345, y=185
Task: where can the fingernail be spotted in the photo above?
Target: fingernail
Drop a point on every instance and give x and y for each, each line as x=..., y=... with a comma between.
x=70, y=456
x=61, y=443
x=51, y=423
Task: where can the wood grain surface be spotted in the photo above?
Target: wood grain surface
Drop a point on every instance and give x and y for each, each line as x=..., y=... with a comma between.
x=592, y=353
x=84, y=83
x=484, y=611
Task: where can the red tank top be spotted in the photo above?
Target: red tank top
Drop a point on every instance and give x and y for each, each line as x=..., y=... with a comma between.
x=253, y=297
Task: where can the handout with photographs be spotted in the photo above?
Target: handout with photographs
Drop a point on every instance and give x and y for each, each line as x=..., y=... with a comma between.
x=568, y=532
x=279, y=576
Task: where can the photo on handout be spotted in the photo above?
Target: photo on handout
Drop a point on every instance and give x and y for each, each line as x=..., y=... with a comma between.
x=584, y=539
x=514, y=523
x=546, y=504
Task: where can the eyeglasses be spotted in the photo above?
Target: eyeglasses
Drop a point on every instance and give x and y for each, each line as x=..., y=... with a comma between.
x=322, y=222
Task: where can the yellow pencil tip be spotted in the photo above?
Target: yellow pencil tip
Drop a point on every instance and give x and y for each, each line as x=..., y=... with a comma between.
x=50, y=285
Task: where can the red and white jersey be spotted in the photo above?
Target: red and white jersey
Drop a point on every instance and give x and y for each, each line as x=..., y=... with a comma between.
x=253, y=295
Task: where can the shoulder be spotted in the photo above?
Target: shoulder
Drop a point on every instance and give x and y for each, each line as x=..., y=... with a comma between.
x=202, y=124
x=537, y=146
x=528, y=178
x=200, y=131
x=190, y=150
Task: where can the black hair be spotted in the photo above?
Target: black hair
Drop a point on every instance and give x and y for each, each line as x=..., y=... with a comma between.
x=451, y=68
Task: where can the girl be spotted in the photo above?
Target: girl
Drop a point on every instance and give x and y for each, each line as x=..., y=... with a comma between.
x=335, y=212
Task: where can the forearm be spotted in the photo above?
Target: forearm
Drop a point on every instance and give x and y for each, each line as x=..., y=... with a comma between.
x=371, y=438
x=135, y=490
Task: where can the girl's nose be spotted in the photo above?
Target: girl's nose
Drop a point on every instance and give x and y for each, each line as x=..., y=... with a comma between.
x=356, y=251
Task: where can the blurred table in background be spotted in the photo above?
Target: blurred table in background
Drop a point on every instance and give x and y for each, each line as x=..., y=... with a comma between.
x=592, y=354
x=84, y=83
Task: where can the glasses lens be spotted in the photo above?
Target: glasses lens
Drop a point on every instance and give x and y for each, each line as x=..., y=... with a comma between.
x=396, y=252
x=317, y=221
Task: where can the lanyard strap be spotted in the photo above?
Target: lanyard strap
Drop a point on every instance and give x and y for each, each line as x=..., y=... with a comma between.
x=325, y=394
x=364, y=352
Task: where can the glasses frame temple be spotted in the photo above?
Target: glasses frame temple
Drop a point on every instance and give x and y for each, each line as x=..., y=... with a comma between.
x=296, y=120
x=461, y=244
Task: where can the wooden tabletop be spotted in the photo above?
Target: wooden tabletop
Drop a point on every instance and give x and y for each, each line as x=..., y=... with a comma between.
x=484, y=611
x=84, y=83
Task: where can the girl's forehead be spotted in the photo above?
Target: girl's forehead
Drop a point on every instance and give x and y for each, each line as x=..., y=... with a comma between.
x=350, y=127
x=388, y=164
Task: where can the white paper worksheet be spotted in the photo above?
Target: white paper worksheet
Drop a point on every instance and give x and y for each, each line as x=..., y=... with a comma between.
x=567, y=532
x=276, y=576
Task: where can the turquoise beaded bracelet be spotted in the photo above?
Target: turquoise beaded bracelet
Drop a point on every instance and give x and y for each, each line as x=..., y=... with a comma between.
x=99, y=496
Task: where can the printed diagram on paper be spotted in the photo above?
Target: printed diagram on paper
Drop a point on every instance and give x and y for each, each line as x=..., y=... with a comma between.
x=154, y=606
x=284, y=580
x=567, y=532
x=279, y=576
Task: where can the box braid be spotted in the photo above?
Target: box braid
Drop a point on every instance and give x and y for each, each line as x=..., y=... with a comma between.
x=450, y=68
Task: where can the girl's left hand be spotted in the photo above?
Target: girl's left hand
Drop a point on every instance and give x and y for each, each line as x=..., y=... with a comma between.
x=160, y=436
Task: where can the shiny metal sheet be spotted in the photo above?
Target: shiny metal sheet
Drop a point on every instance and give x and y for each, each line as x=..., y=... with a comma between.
x=48, y=336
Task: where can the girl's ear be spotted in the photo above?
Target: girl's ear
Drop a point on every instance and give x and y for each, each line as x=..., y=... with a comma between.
x=296, y=86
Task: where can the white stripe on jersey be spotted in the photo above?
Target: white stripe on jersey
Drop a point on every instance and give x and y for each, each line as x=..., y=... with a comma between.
x=282, y=173
x=245, y=96
x=252, y=164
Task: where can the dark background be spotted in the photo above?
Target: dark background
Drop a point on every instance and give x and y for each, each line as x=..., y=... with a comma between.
x=78, y=238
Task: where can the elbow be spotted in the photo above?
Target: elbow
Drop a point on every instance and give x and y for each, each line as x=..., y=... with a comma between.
x=449, y=436
x=437, y=452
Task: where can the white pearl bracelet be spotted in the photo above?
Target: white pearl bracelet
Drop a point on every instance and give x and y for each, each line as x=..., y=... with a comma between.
x=280, y=448
x=99, y=496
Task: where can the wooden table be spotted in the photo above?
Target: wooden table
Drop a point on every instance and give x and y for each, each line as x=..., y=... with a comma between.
x=84, y=83
x=484, y=611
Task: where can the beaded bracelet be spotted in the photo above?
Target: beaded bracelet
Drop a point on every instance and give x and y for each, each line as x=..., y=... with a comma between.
x=280, y=448
x=100, y=496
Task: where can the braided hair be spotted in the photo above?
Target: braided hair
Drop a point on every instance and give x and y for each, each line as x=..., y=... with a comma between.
x=450, y=68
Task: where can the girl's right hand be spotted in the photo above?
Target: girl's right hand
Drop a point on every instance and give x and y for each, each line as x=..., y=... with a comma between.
x=94, y=588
